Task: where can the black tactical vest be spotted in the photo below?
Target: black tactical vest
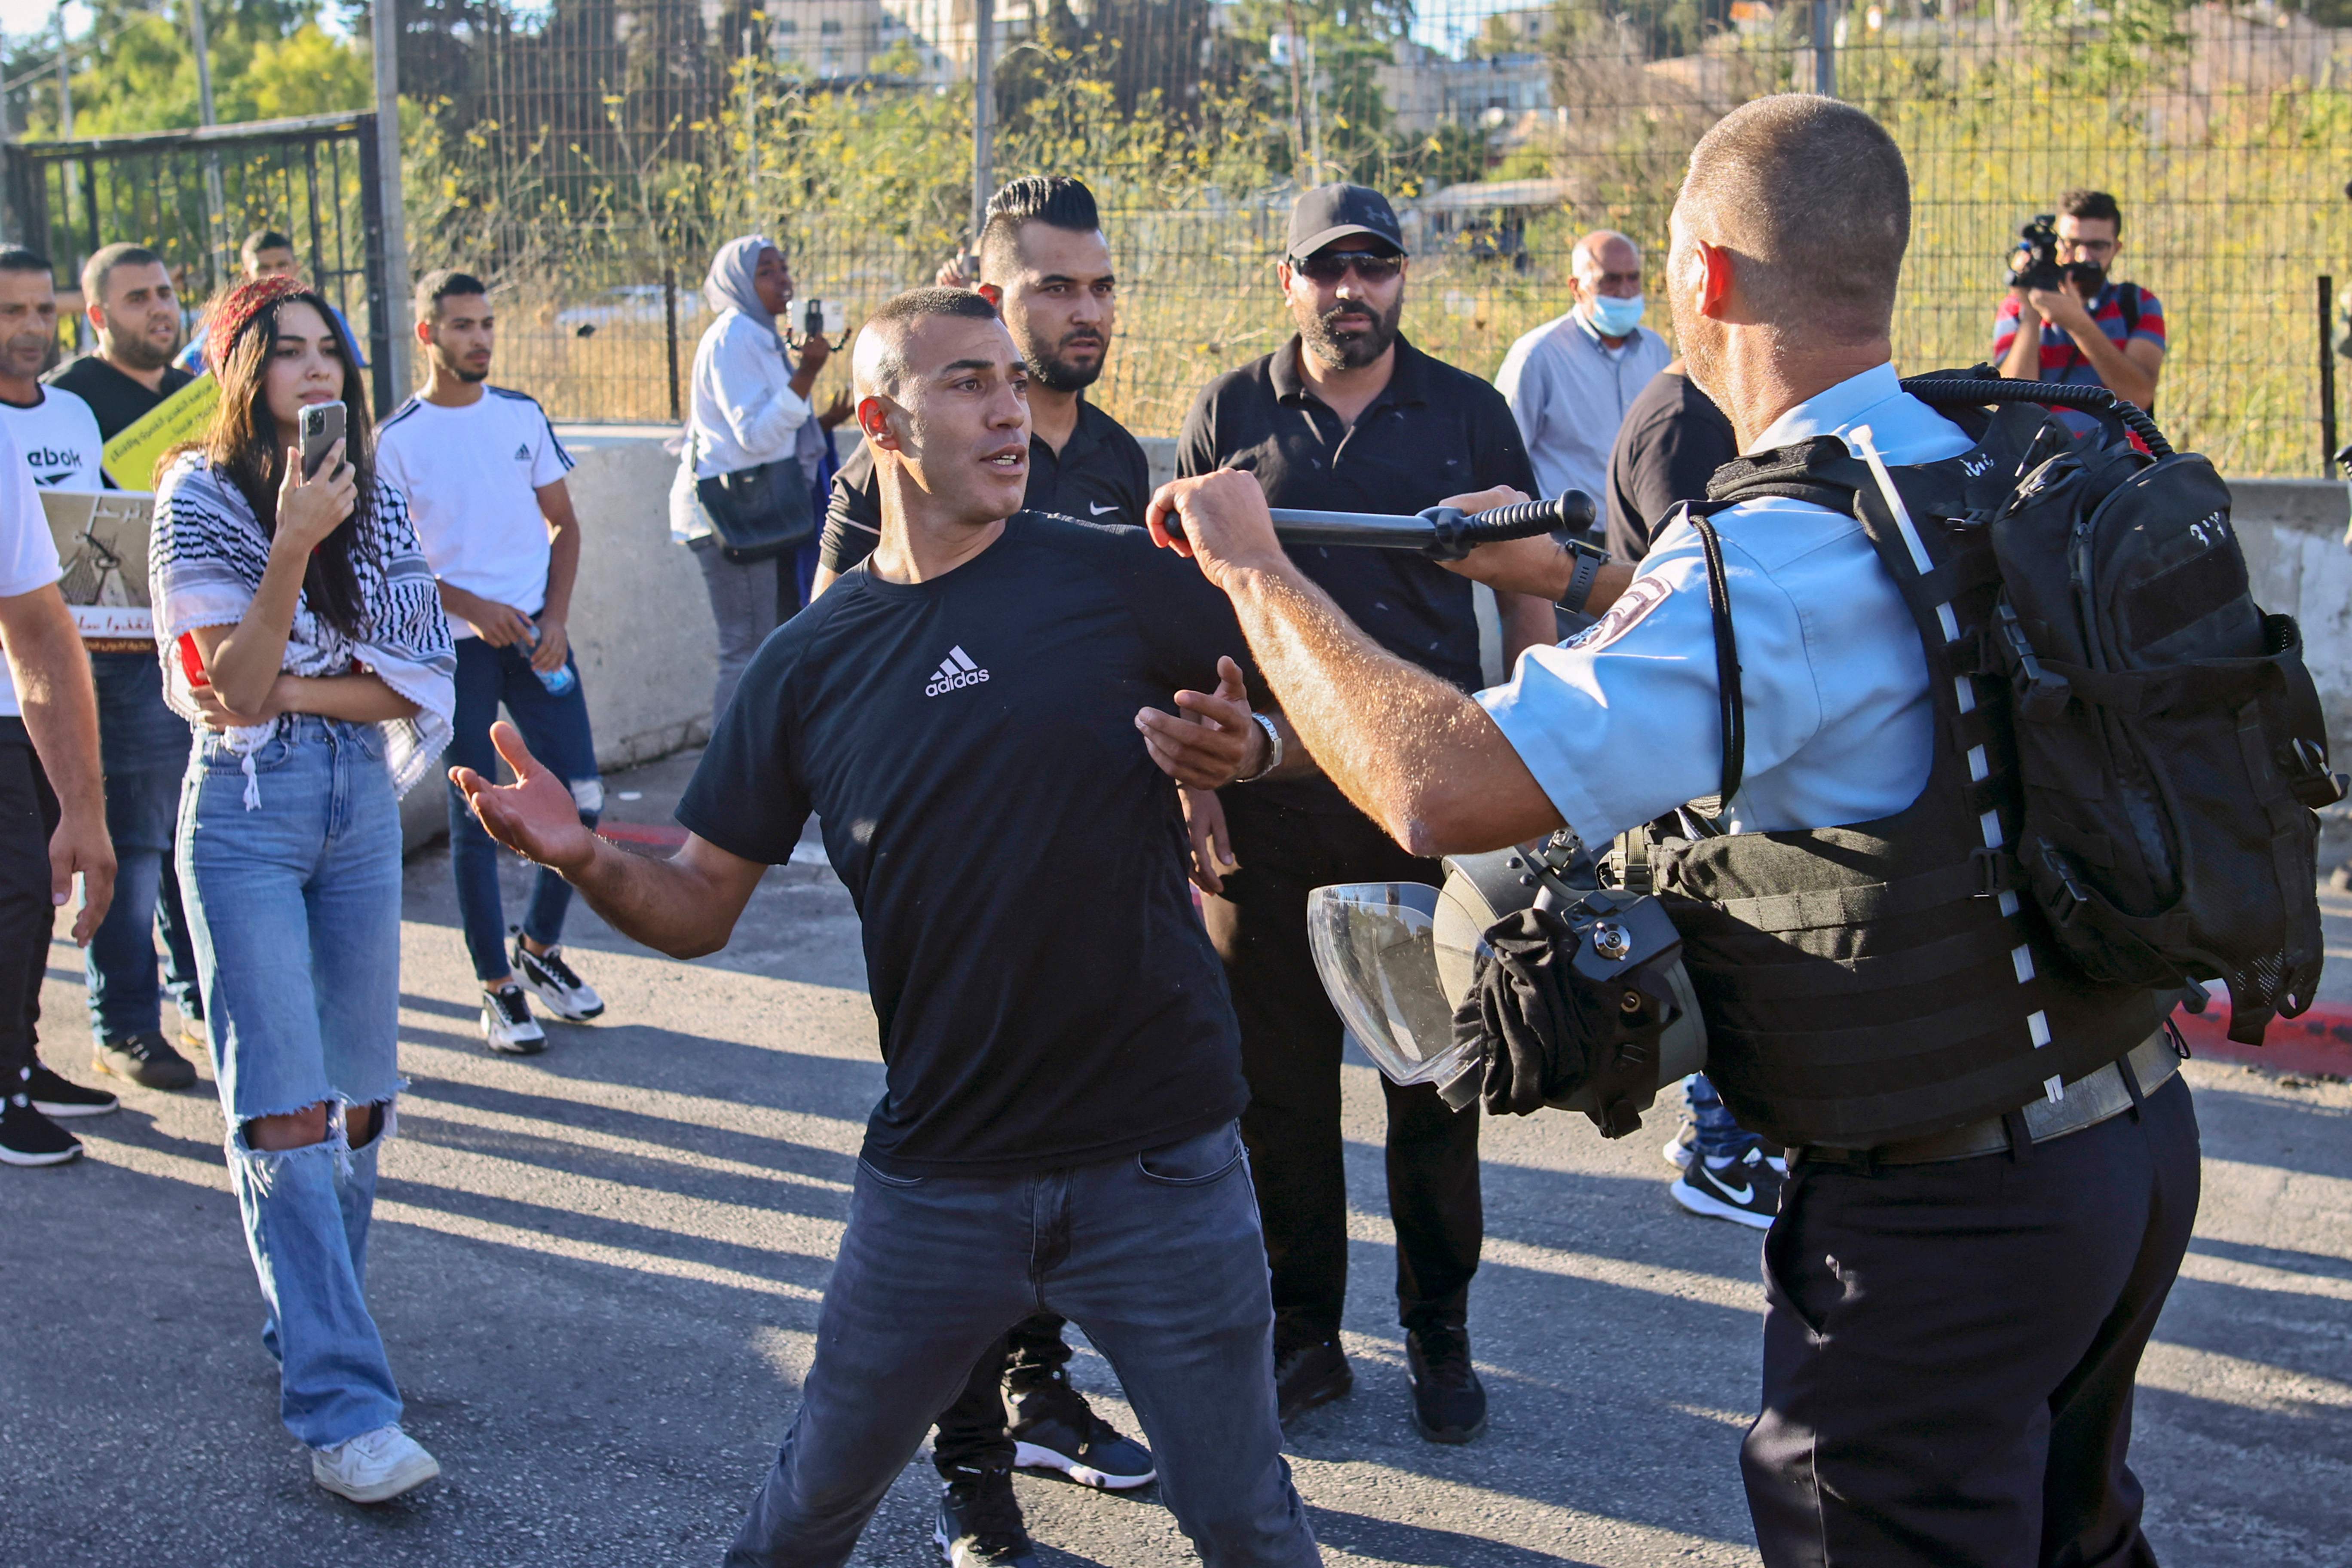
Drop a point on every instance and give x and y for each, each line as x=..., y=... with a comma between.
x=1886, y=980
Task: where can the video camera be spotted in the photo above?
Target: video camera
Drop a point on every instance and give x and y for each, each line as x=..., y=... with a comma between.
x=2037, y=249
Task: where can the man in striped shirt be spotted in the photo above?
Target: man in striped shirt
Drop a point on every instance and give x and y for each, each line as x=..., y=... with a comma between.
x=2093, y=330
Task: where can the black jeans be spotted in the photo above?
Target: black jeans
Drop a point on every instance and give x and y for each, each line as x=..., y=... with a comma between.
x=1949, y=1350
x=972, y=1430
x=28, y=816
x=1292, y=1042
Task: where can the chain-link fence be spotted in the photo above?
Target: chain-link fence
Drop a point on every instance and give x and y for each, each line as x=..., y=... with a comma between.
x=590, y=156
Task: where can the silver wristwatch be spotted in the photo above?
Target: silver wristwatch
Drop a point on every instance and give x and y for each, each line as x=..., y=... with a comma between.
x=1273, y=749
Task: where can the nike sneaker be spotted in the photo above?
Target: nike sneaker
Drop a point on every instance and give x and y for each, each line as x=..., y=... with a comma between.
x=1745, y=1191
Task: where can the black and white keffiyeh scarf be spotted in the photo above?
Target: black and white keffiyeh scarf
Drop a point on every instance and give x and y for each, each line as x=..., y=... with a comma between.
x=205, y=565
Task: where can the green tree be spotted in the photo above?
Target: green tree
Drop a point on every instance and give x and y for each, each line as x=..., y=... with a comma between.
x=136, y=69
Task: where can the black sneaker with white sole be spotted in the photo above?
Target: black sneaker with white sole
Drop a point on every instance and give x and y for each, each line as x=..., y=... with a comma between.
x=1053, y=1429
x=507, y=1026
x=980, y=1524
x=1746, y=1191
x=559, y=988
x=60, y=1098
x=29, y=1138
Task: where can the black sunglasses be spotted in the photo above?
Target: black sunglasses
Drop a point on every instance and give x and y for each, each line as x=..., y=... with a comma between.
x=1329, y=267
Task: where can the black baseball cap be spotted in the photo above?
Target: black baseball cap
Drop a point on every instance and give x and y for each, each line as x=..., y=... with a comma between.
x=1330, y=213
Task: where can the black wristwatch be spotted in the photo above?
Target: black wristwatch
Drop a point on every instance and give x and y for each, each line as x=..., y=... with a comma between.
x=1589, y=561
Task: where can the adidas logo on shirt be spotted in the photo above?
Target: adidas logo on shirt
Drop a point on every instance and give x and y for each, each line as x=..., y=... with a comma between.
x=956, y=670
x=522, y=454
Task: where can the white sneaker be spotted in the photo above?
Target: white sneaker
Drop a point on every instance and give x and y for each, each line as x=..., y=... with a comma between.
x=508, y=1025
x=374, y=1467
x=557, y=985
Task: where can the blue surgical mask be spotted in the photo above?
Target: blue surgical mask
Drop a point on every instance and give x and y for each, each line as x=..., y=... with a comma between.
x=1614, y=317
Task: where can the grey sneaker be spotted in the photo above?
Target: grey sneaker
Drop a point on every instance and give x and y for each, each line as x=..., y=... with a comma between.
x=508, y=1025
x=560, y=990
x=374, y=1467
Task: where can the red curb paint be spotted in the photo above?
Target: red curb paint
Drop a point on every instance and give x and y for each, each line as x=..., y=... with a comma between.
x=2319, y=1042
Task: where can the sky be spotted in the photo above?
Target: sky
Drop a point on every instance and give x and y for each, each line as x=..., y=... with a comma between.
x=18, y=18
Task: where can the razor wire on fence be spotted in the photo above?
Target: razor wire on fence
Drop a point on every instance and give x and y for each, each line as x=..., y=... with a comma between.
x=587, y=157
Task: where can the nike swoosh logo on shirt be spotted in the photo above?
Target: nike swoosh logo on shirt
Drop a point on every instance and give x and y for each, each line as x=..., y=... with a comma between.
x=1098, y=509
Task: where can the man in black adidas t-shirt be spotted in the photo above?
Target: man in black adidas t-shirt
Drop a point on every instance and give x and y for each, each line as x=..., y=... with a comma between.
x=962, y=712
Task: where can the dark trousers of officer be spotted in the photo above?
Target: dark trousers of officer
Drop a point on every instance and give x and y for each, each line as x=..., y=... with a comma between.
x=1292, y=1042
x=972, y=1432
x=1949, y=1350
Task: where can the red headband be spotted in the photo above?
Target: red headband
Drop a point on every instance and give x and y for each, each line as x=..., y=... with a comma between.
x=235, y=312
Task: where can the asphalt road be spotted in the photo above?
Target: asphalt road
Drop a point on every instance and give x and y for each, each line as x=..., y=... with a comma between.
x=597, y=1271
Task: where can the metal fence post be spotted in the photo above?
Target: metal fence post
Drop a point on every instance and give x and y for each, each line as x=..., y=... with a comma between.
x=216, y=217
x=392, y=214
x=669, y=327
x=984, y=110
x=1825, y=50
x=2327, y=376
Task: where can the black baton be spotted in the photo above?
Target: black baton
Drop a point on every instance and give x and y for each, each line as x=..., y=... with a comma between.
x=1441, y=532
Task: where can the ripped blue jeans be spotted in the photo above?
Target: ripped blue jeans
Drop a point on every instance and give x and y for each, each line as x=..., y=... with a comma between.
x=295, y=909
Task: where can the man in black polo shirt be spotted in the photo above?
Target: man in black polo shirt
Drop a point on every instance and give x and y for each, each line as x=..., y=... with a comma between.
x=961, y=712
x=1348, y=417
x=1046, y=266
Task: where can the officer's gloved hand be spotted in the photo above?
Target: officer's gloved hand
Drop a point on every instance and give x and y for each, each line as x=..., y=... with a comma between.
x=1548, y=1034
x=1521, y=1009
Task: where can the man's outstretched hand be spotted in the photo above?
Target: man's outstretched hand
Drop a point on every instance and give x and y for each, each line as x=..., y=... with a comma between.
x=1213, y=741
x=1225, y=525
x=535, y=817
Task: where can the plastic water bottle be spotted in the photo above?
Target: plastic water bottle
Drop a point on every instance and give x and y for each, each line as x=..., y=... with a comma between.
x=558, y=680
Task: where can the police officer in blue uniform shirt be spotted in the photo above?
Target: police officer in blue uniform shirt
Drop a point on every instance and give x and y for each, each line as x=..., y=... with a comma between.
x=1953, y=1321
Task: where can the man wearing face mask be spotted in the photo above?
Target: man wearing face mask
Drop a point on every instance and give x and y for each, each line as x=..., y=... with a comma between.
x=1350, y=417
x=1046, y=266
x=1570, y=381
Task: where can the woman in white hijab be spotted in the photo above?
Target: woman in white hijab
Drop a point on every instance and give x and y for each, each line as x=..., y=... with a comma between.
x=749, y=404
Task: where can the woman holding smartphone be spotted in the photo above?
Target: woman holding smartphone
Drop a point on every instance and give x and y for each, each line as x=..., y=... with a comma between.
x=303, y=634
x=747, y=405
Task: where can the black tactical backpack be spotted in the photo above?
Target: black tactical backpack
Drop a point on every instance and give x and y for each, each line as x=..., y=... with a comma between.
x=2169, y=741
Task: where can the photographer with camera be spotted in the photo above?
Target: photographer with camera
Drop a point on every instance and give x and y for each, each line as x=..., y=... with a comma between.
x=2092, y=332
x=1993, y=1163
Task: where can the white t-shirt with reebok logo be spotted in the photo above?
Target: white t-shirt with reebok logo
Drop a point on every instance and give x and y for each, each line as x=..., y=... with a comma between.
x=29, y=553
x=58, y=440
x=472, y=477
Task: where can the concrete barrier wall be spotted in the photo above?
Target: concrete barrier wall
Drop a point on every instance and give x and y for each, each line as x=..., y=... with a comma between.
x=2293, y=535
x=642, y=629
x=641, y=626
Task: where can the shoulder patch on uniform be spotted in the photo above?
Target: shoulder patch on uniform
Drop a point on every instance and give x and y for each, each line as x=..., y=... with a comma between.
x=1633, y=606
